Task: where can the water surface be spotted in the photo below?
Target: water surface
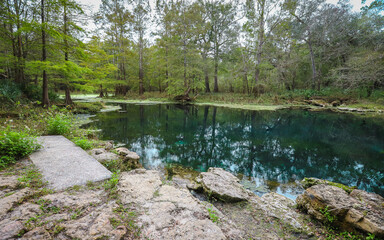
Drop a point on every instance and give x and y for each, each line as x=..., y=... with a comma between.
x=268, y=150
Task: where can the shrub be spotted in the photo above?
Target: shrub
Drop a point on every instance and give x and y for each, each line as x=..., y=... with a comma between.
x=83, y=143
x=59, y=125
x=34, y=92
x=10, y=91
x=15, y=145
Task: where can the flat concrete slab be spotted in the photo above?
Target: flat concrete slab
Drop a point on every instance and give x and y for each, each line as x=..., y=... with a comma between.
x=63, y=164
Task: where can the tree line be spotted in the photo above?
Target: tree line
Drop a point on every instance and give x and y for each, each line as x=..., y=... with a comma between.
x=174, y=46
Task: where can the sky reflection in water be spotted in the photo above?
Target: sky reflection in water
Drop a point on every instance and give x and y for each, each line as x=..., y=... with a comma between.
x=268, y=150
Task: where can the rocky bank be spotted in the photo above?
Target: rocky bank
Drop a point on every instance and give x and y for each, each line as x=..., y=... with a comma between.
x=145, y=204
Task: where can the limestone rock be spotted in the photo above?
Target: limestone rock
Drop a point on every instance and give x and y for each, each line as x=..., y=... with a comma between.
x=138, y=186
x=108, y=145
x=9, y=182
x=358, y=210
x=36, y=234
x=127, y=154
x=174, y=214
x=369, y=216
x=167, y=212
x=309, y=182
x=7, y=203
x=25, y=211
x=10, y=229
x=223, y=185
x=281, y=207
x=94, y=225
x=102, y=155
x=80, y=200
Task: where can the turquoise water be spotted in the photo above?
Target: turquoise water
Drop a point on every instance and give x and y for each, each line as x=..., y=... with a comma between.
x=268, y=150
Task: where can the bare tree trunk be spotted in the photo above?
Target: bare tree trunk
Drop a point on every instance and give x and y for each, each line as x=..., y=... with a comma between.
x=19, y=73
x=166, y=66
x=216, y=86
x=245, y=83
x=45, y=101
x=68, y=99
x=185, y=62
x=259, y=46
x=314, y=76
x=206, y=77
x=141, y=70
x=101, y=95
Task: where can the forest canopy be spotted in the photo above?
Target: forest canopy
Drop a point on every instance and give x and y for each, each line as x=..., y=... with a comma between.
x=173, y=46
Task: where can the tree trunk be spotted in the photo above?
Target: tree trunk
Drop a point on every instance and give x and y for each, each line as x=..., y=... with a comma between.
x=68, y=99
x=101, y=95
x=245, y=83
x=206, y=77
x=259, y=46
x=45, y=101
x=216, y=86
x=19, y=73
x=314, y=76
x=141, y=70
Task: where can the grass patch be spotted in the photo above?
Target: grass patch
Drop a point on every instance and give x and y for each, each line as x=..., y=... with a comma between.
x=32, y=178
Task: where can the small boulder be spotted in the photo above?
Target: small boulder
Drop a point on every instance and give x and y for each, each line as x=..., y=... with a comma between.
x=127, y=154
x=102, y=155
x=309, y=182
x=223, y=185
x=358, y=210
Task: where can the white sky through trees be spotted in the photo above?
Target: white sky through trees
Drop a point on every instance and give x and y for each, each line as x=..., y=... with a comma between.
x=92, y=6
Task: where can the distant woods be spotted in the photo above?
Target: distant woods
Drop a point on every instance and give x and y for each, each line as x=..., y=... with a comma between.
x=250, y=46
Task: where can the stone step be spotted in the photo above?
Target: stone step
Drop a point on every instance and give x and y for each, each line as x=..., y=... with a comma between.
x=64, y=165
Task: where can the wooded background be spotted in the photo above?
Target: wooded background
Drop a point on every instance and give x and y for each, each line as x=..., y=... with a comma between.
x=252, y=47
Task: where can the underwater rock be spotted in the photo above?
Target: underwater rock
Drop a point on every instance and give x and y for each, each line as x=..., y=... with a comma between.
x=223, y=185
x=359, y=210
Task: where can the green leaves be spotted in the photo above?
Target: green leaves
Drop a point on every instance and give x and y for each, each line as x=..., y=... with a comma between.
x=15, y=145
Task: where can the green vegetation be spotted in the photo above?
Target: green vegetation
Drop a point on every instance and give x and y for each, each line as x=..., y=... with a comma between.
x=289, y=50
x=212, y=215
x=111, y=185
x=329, y=217
x=84, y=143
x=87, y=107
x=31, y=177
x=15, y=145
x=128, y=219
x=59, y=124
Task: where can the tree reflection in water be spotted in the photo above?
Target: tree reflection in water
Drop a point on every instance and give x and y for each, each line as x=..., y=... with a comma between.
x=271, y=147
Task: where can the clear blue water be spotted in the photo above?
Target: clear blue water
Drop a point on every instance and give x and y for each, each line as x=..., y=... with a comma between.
x=268, y=150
